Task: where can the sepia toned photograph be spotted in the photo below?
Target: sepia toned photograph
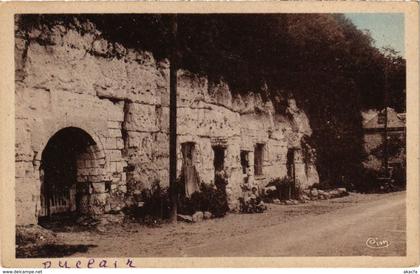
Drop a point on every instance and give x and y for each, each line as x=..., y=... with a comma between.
x=164, y=135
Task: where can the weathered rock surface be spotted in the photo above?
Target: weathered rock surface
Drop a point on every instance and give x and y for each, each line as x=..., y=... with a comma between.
x=66, y=77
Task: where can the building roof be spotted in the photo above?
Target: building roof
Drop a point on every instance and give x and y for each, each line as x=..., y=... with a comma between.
x=395, y=120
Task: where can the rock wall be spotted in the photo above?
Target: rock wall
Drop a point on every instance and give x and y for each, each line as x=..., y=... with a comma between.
x=66, y=79
x=70, y=77
x=209, y=116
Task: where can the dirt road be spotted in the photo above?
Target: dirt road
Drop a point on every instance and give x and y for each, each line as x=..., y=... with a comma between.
x=319, y=228
x=341, y=232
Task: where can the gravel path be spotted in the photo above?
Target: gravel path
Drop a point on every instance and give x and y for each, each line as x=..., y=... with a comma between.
x=320, y=228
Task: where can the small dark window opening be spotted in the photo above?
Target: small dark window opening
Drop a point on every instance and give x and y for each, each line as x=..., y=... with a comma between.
x=108, y=187
x=258, y=159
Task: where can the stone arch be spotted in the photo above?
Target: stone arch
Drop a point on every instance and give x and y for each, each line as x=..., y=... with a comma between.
x=42, y=134
x=71, y=168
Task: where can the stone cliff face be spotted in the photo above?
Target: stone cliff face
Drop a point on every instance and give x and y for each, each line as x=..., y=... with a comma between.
x=73, y=78
x=209, y=116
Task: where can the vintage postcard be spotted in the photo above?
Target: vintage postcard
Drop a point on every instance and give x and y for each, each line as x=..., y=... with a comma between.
x=209, y=134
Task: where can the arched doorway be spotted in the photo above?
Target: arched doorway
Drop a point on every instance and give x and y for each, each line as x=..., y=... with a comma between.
x=66, y=161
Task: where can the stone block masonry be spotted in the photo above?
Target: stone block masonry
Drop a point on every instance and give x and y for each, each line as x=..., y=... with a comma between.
x=111, y=105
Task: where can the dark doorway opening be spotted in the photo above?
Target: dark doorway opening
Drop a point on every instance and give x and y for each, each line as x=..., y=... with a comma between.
x=244, y=161
x=291, y=164
x=219, y=165
x=220, y=180
x=292, y=191
x=258, y=159
x=189, y=172
x=219, y=158
x=188, y=150
x=60, y=193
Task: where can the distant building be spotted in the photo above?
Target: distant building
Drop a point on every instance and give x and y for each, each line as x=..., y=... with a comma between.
x=374, y=129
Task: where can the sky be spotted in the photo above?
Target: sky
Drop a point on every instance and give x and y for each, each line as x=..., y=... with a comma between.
x=387, y=29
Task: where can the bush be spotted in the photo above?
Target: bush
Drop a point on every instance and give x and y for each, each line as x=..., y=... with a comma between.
x=372, y=181
x=324, y=185
x=399, y=177
x=156, y=203
x=367, y=181
x=208, y=198
x=286, y=189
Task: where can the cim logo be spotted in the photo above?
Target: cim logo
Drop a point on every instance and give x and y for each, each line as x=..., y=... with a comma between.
x=377, y=243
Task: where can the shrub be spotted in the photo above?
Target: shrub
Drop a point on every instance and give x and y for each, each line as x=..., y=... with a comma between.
x=218, y=205
x=372, y=181
x=156, y=203
x=286, y=189
x=399, y=177
x=208, y=198
x=327, y=184
x=367, y=181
